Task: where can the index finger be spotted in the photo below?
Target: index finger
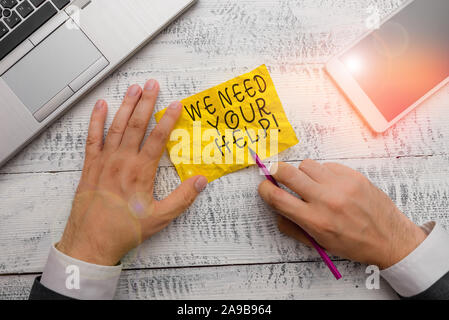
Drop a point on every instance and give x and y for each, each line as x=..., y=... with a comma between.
x=297, y=180
x=286, y=204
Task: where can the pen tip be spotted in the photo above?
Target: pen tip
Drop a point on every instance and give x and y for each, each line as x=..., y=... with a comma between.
x=253, y=154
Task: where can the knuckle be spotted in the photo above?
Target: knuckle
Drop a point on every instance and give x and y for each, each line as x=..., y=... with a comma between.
x=133, y=172
x=355, y=185
x=115, y=165
x=188, y=198
x=336, y=203
x=284, y=173
x=327, y=227
x=114, y=170
x=152, y=155
x=91, y=141
x=308, y=162
x=313, y=226
x=290, y=179
x=131, y=180
x=136, y=123
x=159, y=134
x=115, y=129
x=274, y=198
x=323, y=226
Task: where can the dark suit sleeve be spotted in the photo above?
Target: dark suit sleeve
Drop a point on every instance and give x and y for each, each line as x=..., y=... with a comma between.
x=438, y=291
x=39, y=292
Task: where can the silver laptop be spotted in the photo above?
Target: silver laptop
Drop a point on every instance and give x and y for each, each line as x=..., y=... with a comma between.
x=53, y=51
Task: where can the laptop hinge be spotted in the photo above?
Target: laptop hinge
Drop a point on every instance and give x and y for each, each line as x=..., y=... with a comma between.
x=81, y=3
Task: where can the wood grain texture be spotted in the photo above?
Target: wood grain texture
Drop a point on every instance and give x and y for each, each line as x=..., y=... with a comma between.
x=218, y=40
x=266, y=281
x=229, y=224
x=224, y=226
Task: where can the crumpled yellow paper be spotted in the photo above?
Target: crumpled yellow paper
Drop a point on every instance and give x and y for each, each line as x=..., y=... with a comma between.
x=218, y=125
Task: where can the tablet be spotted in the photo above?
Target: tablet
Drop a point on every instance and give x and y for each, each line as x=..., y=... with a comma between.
x=392, y=69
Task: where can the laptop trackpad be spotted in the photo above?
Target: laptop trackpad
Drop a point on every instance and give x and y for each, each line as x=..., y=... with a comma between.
x=51, y=66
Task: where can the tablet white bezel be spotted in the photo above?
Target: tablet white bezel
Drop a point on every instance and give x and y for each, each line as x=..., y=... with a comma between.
x=366, y=107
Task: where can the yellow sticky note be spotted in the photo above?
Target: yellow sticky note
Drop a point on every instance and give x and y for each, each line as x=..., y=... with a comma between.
x=218, y=125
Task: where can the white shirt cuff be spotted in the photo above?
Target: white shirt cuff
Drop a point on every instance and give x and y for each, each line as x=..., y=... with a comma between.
x=424, y=266
x=78, y=279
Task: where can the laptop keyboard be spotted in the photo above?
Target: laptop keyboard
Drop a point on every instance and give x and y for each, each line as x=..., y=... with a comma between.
x=20, y=18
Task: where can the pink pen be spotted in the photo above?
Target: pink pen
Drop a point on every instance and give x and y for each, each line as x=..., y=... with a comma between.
x=318, y=248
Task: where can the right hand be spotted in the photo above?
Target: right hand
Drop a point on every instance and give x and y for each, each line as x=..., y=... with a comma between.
x=343, y=211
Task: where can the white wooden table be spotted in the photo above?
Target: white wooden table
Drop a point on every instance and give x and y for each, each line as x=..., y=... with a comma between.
x=227, y=245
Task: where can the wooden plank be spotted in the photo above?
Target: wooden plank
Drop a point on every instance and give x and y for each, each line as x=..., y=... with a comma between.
x=294, y=38
x=203, y=48
x=272, y=281
x=222, y=227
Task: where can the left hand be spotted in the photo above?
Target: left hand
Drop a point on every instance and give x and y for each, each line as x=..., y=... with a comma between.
x=114, y=209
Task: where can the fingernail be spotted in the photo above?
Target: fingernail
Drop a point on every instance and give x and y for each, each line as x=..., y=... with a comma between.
x=99, y=105
x=175, y=105
x=200, y=184
x=133, y=91
x=150, y=85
